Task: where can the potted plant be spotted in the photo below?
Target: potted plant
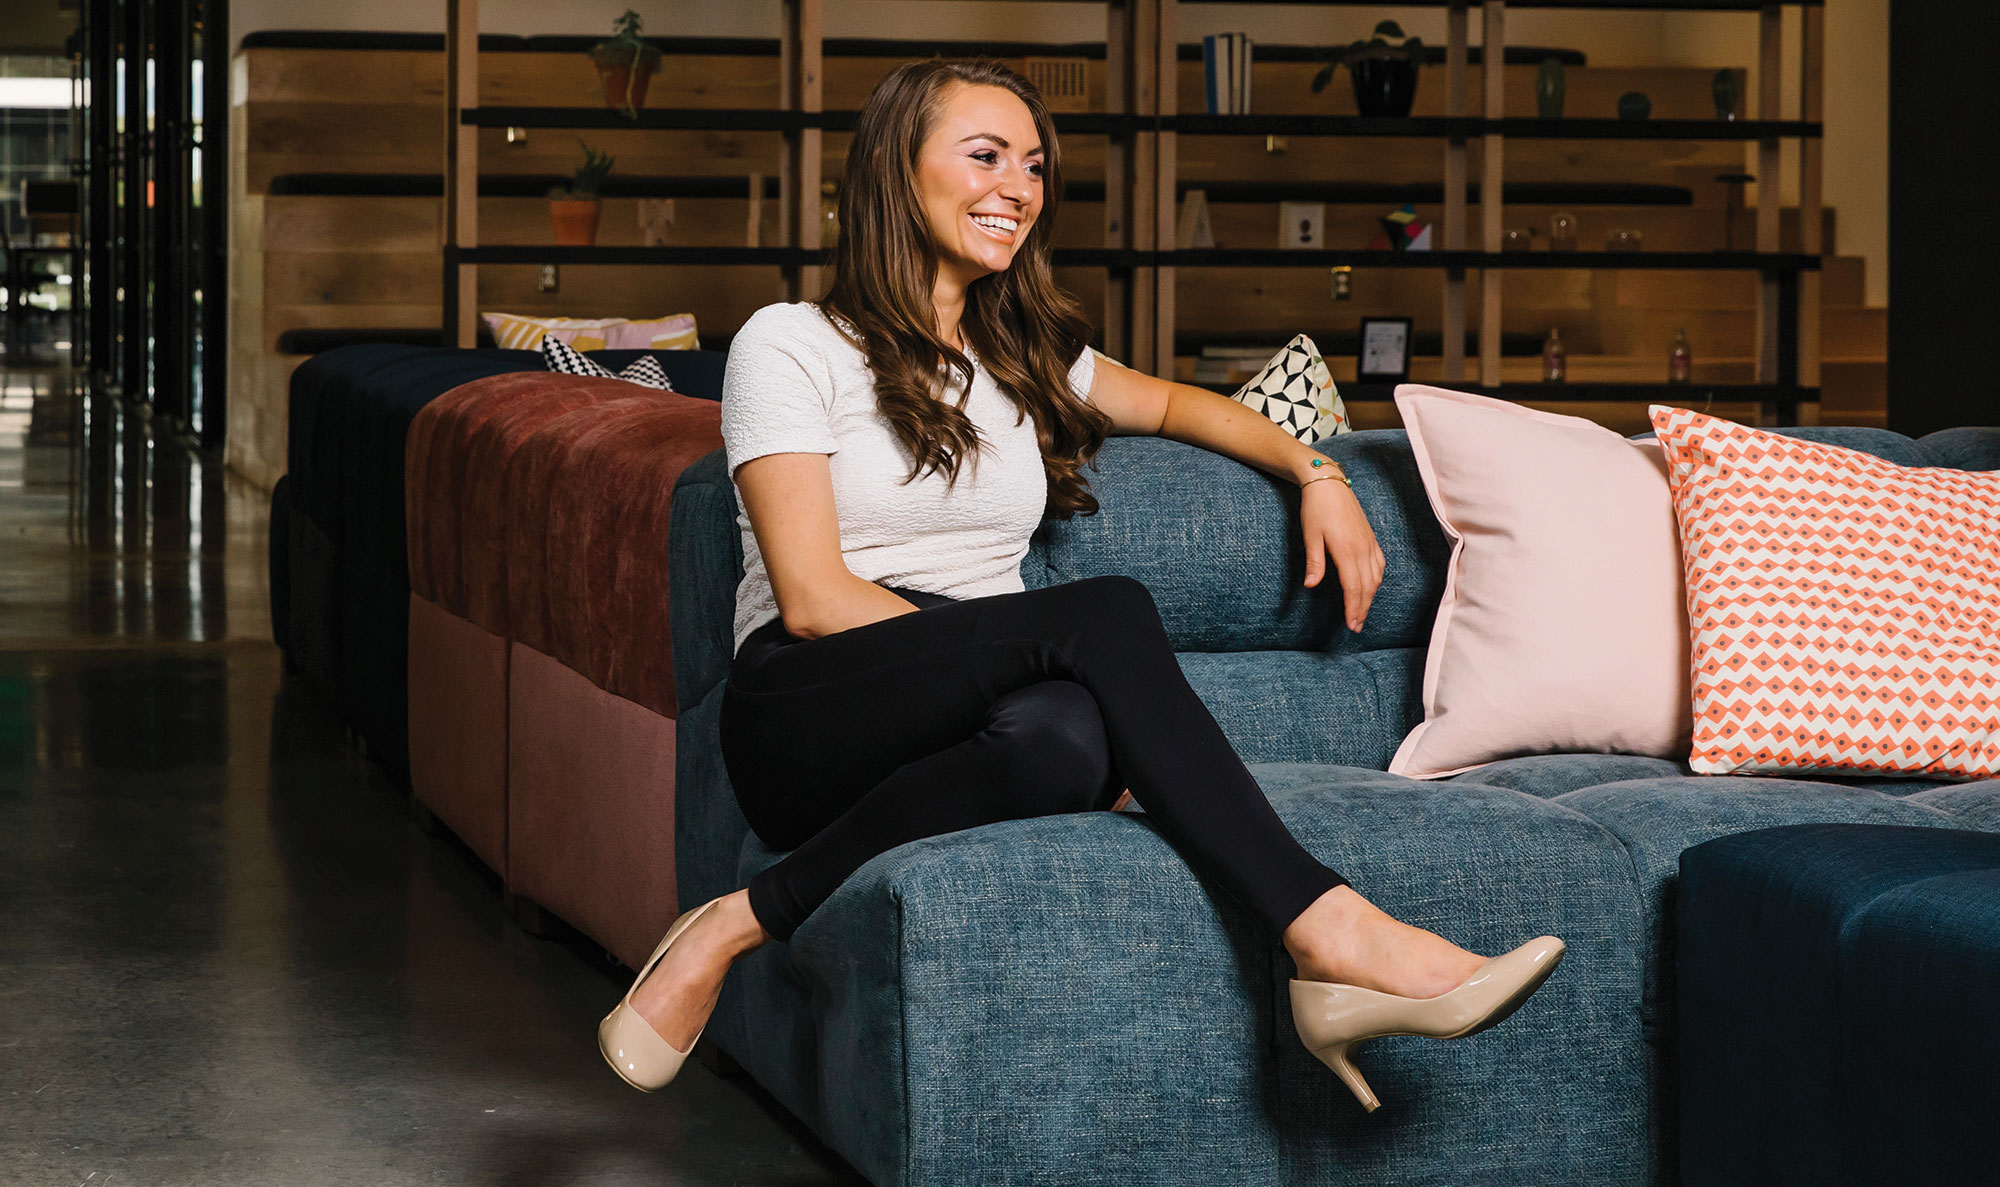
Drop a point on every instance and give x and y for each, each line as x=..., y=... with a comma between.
x=1384, y=69
x=574, y=208
x=625, y=64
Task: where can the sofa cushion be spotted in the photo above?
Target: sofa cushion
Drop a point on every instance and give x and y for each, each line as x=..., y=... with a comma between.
x=1550, y=775
x=454, y=474
x=1218, y=545
x=1307, y=706
x=1969, y=448
x=944, y=1018
x=611, y=505
x=1836, y=986
x=1657, y=819
x=1973, y=805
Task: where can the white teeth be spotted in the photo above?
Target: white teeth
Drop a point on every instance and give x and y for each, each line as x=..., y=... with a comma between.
x=996, y=223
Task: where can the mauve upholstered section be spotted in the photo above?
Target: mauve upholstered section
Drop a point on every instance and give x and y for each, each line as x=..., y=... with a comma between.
x=611, y=504
x=513, y=409
x=458, y=727
x=591, y=806
x=528, y=515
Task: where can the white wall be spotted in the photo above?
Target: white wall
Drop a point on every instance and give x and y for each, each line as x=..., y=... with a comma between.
x=1857, y=61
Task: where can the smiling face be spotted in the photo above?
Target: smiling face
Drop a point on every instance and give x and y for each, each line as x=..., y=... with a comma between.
x=980, y=178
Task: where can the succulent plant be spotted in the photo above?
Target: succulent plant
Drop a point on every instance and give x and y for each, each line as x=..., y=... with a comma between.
x=627, y=50
x=625, y=46
x=589, y=179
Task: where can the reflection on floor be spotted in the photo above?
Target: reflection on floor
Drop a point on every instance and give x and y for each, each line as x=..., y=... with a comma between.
x=228, y=957
x=113, y=531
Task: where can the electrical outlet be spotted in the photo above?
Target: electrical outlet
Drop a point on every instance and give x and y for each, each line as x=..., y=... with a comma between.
x=548, y=281
x=1302, y=225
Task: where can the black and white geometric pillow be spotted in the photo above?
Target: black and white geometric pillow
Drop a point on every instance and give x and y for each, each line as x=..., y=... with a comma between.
x=644, y=371
x=1296, y=390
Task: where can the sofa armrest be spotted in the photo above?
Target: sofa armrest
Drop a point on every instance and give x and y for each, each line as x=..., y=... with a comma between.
x=704, y=567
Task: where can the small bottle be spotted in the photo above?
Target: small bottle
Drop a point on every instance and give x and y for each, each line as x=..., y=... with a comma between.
x=1680, y=359
x=1555, y=360
x=829, y=214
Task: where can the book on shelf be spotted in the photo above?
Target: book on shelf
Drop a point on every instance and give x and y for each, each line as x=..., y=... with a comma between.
x=1225, y=59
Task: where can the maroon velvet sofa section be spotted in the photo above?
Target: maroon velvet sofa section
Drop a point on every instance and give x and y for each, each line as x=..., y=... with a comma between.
x=541, y=685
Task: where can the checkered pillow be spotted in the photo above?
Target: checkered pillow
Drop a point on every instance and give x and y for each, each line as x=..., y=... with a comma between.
x=645, y=371
x=1296, y=390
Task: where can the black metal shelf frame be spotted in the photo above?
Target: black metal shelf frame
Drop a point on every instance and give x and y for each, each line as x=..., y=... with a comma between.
x=1781, y=272
x=1680, y=394
x=759, y=257
x=1110, y=123
x=1703, y=261
x=1605, y=5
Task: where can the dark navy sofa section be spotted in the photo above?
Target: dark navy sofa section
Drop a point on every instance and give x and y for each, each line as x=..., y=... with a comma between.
x=1837, y=991
x=340, y=583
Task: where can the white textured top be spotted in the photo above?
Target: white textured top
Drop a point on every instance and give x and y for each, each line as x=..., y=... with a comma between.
x=795, y=384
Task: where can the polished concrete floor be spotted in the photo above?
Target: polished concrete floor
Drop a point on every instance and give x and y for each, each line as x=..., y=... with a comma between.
x=226, y=954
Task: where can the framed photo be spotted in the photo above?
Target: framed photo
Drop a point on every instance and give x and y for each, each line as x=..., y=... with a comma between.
x=1385, y=350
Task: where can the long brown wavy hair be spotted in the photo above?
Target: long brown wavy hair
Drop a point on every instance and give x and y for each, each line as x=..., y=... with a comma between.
x=1026, y=329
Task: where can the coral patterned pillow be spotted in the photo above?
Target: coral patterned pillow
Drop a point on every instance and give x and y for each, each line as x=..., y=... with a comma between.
x=1845, y=610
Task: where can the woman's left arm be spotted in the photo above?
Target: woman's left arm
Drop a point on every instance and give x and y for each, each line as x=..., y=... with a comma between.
x=1329, y=514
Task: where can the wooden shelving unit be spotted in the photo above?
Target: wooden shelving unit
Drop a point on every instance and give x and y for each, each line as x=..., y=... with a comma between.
x=1142, y=185
x=1127, y=254
x=1788, y=309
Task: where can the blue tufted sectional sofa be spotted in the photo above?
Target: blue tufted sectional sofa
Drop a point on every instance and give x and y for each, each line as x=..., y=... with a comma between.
x=1063, y=1001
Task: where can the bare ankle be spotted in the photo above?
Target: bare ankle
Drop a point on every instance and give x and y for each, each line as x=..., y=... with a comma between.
x=738, y=931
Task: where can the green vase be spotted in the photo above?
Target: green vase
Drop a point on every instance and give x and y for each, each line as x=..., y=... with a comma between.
x=1549, y=89
x=1633, y=105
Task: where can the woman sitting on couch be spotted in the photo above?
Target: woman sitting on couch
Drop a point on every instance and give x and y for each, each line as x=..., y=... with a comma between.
x=893, y=449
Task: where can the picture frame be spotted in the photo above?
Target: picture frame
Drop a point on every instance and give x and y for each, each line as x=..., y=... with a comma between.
x=1384, y=354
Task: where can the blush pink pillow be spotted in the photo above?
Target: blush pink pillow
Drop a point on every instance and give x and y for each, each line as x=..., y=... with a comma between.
x=1564, y=623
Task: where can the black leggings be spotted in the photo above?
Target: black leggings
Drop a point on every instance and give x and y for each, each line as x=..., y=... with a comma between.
x=996, y=708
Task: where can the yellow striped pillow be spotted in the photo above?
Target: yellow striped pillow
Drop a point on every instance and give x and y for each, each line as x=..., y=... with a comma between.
x=515, y=331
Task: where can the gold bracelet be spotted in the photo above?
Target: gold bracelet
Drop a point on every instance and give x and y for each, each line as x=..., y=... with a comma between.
x=1339, y=474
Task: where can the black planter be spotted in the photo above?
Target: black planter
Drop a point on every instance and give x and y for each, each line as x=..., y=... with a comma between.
x=1385, y=86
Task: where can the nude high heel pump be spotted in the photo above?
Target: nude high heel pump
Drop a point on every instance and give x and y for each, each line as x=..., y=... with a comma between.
x=629, y=1043
x=1334, y=1019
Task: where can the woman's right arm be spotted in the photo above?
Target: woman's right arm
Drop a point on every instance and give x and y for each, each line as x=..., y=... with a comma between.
x=789, y=499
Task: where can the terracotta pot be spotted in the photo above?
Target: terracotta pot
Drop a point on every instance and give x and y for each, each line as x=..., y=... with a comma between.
x=575, y=220
x=616, y=77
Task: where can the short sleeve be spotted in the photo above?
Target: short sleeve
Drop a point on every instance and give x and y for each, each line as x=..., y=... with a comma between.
x=1083, y=373
x=777, y=389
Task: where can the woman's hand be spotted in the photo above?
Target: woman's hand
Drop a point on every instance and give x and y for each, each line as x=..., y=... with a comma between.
x=1334, y=526
x=1328, y=511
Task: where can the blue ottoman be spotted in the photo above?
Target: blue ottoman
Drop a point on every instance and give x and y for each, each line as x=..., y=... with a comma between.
x=1837, y=1021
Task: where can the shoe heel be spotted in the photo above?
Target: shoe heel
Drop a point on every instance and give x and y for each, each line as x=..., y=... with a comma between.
x=1336, y=1058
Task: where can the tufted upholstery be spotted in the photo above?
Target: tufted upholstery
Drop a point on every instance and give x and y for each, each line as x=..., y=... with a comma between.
x=1065, y=999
